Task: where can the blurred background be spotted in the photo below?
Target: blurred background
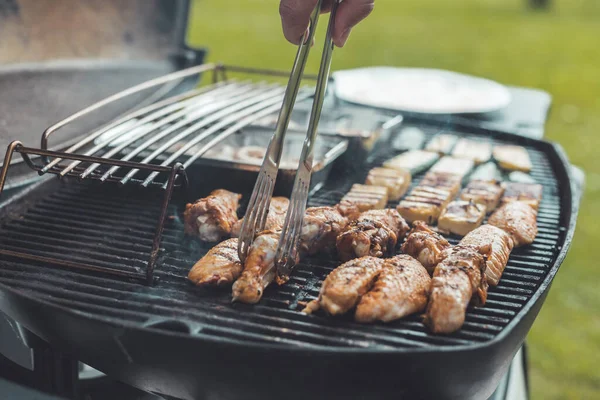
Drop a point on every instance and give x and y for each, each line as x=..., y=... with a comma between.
x=554, y=47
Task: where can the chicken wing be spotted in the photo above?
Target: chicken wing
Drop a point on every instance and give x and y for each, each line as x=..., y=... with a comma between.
x=425, y=245
x=457, y=280
x=345, y=285
x=518, y=219
x=212, y=217
x=402, y=288
x=321, y=227
x=259, y=268
x=348, y=209
x=275, y=218
x=495, y=245
x=220, y=266
x=374, y=233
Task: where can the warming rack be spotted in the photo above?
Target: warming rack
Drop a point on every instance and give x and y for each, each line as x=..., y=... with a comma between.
x=152, y=146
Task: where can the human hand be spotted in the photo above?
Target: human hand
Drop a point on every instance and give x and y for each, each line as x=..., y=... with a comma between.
x=295, y=15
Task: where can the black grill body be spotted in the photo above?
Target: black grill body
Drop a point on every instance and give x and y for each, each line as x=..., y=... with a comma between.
x=191, y=343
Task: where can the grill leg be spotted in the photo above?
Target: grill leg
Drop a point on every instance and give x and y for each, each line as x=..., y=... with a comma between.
x=55, y=372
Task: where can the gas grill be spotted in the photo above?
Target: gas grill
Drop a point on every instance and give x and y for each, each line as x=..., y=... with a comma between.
x=95, y=264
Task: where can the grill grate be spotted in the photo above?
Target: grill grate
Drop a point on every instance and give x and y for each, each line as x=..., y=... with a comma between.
x=114, y=228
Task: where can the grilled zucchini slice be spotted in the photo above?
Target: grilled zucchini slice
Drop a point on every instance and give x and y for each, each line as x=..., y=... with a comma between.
x=367, y=197
x=461, y=217
x=397, y=181
x=513, y=158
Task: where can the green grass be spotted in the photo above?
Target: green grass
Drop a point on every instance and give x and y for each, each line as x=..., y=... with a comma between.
x=558, y=51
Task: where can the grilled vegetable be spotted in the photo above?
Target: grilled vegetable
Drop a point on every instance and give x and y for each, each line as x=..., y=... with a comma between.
x=451, y=165
x=415, y=161
x=423, y=204
x=442, y=144
x=426, y=201
x=513, y=158
x=409, y=138
x=486, y=172
x=479, y=152
x=494, y=245
x=397, y=181
x=520, y=177
x=485, y=193
x=525, y=192
x=461, y=217
x=367, y=197
x=518, y=219
x=442, y=180
x=402, y=288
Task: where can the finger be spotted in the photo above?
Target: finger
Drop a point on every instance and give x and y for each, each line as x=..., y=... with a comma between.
x=349, y=14
x=295, y=16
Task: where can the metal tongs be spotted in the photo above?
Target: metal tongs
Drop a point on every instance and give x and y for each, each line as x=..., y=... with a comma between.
x=258, y=207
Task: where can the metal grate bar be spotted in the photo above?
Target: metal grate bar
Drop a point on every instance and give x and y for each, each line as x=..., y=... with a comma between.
x=184, y=113
x=203, y=111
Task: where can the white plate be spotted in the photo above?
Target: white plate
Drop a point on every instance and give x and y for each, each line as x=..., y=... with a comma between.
x=420, y=90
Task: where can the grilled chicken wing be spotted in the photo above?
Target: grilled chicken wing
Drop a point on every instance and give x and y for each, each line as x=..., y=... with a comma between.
x=212, y=217
x=495, y=245
x=275, y=218
x=259, y=268
x=402, y=288
x=348, y=209
x=425, y=245
x=321, y=227
x=374, y=233
x=345, y=285
x=457, y=280
x=518, y=219
x=220, y=266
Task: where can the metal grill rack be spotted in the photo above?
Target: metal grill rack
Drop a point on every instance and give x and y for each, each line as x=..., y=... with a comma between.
x=152, y=146
x=115, y=232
